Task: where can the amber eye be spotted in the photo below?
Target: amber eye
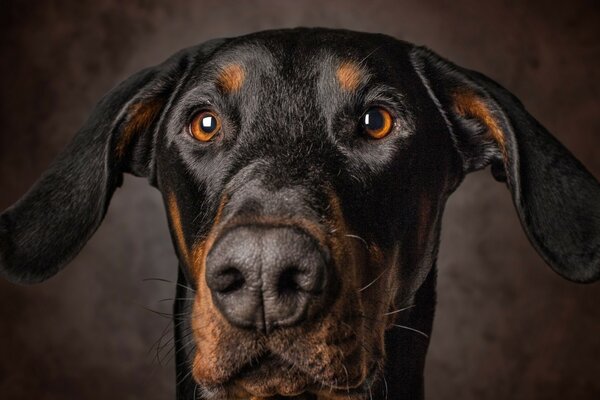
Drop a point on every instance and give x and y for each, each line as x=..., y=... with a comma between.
x=377, y=122
x=205, y=125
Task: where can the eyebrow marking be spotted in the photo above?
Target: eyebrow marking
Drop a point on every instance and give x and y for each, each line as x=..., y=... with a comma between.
x=349, y=75
x=231, y=78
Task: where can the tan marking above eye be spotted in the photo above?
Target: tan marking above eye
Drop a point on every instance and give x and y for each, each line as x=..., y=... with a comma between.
x=231, y=78
x=377, y=122
x=205, y=125
x=349, y=76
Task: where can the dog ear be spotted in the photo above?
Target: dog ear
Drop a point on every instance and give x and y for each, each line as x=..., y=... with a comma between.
x=46, y=228
x=556, y=198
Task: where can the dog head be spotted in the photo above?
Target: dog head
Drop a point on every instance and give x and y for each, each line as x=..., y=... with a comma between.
x=304, y=174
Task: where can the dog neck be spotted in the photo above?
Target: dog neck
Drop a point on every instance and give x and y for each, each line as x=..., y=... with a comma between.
x=406, y=349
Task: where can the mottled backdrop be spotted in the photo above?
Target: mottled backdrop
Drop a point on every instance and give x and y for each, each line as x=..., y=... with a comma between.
x=506, y=328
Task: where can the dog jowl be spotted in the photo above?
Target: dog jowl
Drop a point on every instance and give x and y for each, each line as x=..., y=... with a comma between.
x=304, y=174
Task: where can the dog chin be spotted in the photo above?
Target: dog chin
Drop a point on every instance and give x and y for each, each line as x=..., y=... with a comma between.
x=272, y=378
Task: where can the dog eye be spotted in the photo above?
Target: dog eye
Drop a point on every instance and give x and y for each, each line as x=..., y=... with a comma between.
x=377, y=122
x=205, y=125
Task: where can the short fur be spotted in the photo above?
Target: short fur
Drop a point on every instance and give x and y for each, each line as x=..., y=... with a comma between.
x=291, y=153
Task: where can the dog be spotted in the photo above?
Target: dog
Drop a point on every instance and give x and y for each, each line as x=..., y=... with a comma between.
x=304, y=174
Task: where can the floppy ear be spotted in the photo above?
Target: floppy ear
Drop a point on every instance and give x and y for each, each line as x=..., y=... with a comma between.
x=48, y=226
x=556, y=198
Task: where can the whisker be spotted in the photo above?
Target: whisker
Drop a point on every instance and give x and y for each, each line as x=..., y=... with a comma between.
x=162, y=313
x=191, y=369
x=168, y=281
x=175, y=298
x=184, y=336
x=161, y=347
x=159, y=358
x=159, y=313
x=184, y=378
x=158, y=342
x=369, y=55
x=411, y=329
x=385, y=386
x=394, y=325
x=400, y=310
x=374, y=280
x=347, y=379
x=359, y=238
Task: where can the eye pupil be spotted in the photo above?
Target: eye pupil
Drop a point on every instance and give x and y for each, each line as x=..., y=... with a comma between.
x=374, y=120
x=208, y=124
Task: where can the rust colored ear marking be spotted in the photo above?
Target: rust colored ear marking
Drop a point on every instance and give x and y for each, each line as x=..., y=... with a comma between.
x=140, y=117
x=469, y=104
x=175, y=218
x=349, y=75
x=231, y=78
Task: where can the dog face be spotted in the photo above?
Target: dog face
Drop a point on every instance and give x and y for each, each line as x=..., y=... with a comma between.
x=276, y=187
x=304, y=174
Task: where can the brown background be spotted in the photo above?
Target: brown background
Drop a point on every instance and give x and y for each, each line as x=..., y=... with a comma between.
x=506, y=327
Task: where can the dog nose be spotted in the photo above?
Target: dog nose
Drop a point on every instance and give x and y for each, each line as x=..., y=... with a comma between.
x=265, y=277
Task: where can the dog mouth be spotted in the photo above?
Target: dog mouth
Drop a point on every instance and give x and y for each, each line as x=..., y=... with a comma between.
x=272, y=378
x=335, y=360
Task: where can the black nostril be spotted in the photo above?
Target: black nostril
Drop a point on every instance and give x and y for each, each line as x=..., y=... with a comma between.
x=288, y=282
x=229, y=280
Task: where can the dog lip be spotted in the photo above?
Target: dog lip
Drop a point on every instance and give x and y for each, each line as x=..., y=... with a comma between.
x=312, y=389
x=263, y=368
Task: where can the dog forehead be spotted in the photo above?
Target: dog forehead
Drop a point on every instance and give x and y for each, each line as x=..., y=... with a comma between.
x=299, y=57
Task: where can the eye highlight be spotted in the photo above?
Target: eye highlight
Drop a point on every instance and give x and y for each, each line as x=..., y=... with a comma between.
x=205, y=126
x=377, y=122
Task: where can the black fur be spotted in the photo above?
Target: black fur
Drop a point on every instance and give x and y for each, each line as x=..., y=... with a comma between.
x=557, y=199
x=291, y=128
